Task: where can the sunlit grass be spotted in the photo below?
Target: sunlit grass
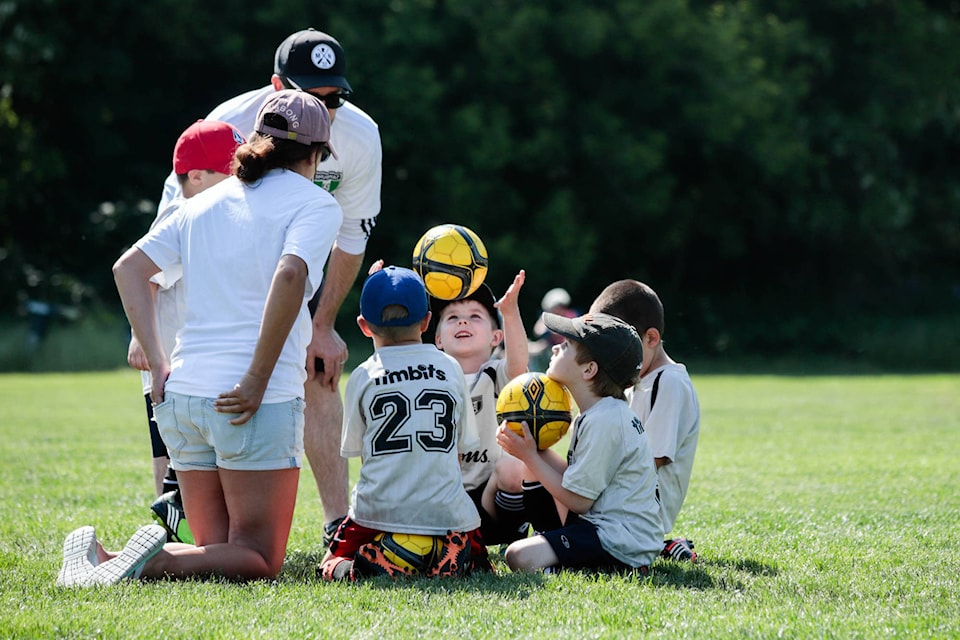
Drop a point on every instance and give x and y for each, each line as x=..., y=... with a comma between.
x=820, y=506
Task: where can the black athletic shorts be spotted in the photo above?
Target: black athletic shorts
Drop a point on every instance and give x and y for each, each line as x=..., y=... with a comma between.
x=577, y=546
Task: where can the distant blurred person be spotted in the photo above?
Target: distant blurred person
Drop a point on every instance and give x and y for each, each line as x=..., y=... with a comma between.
x=556, y=301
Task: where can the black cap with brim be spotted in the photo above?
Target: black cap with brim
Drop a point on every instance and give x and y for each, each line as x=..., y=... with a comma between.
x=311, y=59
x=614, y=344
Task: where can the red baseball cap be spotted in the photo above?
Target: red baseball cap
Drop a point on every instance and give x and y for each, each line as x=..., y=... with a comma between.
x=206, y=144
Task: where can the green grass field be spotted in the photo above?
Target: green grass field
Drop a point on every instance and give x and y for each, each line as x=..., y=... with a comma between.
x=820, y=506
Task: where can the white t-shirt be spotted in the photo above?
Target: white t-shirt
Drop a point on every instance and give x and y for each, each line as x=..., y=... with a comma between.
x=609, y=462
x=353, y=178
x=673, y=428
x=406, y=416
x=484, y=387
x=171, y=305
x=229, y=240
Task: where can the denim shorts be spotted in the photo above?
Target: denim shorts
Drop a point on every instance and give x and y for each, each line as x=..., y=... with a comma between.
x=199, y=438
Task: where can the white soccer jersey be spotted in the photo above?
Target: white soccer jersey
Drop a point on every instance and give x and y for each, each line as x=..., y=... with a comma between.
x=609, y=461
x=171, y=304
x=673, y=428
x=248, y=227
x=353, y=178
x=484, y=387
x=406, y=416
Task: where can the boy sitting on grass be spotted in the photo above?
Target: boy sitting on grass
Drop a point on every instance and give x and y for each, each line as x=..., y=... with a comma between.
x=598, y=509
x=469, y=330
x=665, y=400
x=406, y=416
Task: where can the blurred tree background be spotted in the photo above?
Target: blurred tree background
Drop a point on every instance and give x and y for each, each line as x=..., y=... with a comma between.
x=782, y=172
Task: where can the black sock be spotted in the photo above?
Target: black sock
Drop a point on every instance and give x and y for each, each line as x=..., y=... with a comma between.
x=170, y=480
x=540, y=508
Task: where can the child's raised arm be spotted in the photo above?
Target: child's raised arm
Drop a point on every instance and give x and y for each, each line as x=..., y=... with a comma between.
x=514, y=335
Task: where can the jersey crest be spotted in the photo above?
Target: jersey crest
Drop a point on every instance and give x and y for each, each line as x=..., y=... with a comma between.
x=328, y=180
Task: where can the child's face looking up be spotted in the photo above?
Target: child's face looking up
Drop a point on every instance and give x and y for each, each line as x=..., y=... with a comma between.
x=466, y=328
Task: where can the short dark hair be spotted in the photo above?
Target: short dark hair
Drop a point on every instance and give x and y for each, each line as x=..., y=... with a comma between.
x=633, y=302
x=393, y=333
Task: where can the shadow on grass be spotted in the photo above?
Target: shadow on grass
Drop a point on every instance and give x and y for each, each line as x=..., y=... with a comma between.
x=704, y=575
x=301, y=567
x=747, y=566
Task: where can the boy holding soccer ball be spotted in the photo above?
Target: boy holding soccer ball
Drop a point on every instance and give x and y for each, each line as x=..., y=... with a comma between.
x=407, y=418
x=597, y=509
x=469, y=329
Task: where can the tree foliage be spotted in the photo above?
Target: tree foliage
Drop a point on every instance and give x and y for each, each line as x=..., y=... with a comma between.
x=742, y=157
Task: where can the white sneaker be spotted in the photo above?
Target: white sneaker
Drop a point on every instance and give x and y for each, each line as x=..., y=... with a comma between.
x=79, y=557
x=144, y=544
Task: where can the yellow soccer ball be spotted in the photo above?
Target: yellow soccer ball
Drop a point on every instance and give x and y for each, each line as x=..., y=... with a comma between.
x=452, y=260
x=415, y=552
x=543, y=403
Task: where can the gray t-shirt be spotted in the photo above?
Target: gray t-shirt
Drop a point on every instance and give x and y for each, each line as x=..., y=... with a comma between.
x=610, y=462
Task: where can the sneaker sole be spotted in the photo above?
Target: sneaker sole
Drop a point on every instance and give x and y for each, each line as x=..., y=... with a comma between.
x=79, y=557
x=145, y=543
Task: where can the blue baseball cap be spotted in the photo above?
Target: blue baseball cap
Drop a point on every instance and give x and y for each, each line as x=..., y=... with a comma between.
x=393, y=286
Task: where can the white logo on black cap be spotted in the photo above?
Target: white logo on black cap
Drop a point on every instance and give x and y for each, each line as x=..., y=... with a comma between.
x=323, y=56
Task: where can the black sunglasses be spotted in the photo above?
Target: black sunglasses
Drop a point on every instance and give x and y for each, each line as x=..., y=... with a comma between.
x=330, y=101
x=324, y=151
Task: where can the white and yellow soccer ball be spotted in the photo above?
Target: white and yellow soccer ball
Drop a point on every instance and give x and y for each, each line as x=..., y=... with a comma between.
x=543, y=403
x=452, y=260
x=414, y=552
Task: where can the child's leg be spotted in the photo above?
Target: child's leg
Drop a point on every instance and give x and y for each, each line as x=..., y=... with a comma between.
x=502, y=514
x=347, y=540
x=530, y=554
x=540, y=507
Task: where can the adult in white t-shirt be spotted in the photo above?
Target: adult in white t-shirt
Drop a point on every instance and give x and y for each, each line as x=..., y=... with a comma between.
x=229, y=402
x=315, y=62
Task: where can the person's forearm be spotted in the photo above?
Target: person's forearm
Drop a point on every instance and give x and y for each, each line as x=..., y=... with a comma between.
x=131, y=274
x=341, y=273
x=279, y=314
x=515, y=345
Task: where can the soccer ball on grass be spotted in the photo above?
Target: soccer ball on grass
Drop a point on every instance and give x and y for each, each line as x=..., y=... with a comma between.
x=542, y=402
x=452, y=260
x=414, y=552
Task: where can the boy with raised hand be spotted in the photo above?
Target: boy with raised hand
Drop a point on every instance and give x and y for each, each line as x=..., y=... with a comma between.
x=407, y=418
x=665, y=400
x=598, y=509
x=202, y=158
x=469, y=330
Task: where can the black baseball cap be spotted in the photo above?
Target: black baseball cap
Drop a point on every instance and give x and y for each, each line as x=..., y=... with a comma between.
x=483, y=295
x=614, y=344
x=312, y=59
